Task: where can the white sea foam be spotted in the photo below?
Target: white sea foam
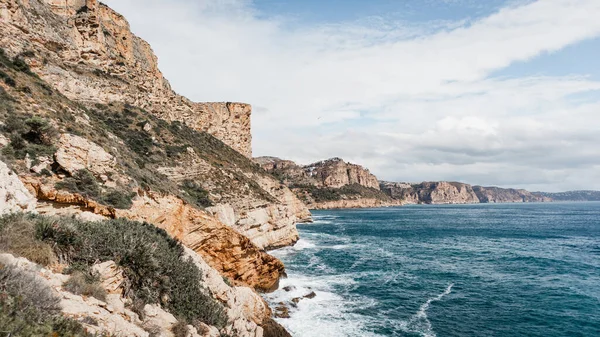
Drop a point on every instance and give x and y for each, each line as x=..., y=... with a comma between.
x=328, y=313
x=419, y=322
x=303, y=244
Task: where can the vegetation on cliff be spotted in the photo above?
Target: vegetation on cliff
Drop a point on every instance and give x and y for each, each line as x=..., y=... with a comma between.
x=29, y=308
x=152, y=261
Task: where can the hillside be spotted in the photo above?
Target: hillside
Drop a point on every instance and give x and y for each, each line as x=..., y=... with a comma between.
x=89, y=129
x=456, y=193
x=331, y=183
x=571, y=195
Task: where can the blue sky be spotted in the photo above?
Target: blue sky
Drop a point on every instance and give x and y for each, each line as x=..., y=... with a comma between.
x=487, y=92
x=328, y=11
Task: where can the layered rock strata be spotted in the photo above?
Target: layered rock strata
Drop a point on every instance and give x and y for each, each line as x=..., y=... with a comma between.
x=87, y=51
x=444, y=192
x=328, y=184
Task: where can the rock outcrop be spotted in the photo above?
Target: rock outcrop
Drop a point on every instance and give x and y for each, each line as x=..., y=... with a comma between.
x=328, y=184
x=246, y=311
x=585, y=195
x=444, y=192
x=230, y=253
x=87, y=51
x=504, y=195
x=332, y=173
x=14, y=197
x=337, y=173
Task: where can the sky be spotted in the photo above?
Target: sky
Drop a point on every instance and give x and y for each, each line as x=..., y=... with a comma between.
x=497, y=92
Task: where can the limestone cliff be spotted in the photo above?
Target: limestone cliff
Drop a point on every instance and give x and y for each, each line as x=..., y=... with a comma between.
x=14, y=197
x=86, y=51
x=503, y=195
x=455, y=193
x=113, y=88
x=328, y=184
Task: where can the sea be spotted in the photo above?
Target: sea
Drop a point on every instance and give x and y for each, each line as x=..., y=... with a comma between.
x=445, y=270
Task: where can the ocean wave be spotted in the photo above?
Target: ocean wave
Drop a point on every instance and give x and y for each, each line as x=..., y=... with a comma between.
x=419, y=323
x=329, y=312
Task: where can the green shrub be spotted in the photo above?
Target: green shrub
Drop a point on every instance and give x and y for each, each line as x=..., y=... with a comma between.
x=196, y=195
x=33, y=136
x=117, y=199
x=29, y=308
x=180, y=329
x=84, y=183
x=20, y=65
x=85, y=283
x=152, y=262
x=18, y=236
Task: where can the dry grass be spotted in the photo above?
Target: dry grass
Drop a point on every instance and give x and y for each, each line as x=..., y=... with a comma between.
x=18, y=237
x=85, y=284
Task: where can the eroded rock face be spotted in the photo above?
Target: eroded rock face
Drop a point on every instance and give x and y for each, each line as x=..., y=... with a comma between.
x=87, y=51
x=224, y=249
x=357, y=203
x=76, y=153
x=334, y=172
x=456, y=193
x=442, y=192
x=337, y=173
x=14, y=197
x=328, y=184
x=503, y=195
x=229, y=252
x=268, y=219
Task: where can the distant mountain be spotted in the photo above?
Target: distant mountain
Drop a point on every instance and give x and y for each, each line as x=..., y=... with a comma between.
x=572, y=195
x=331, y=183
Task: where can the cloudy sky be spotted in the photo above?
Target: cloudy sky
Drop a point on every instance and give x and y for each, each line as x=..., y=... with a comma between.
x=506, y=93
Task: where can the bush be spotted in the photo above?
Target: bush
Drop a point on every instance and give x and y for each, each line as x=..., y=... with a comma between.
x=118, y=199
x=85, y=283
x=20, y=65
x=17, y=236
x=33, y=136
x=152, y=262
x=83, y=182
x=29, y=308
x=180, y=329
x=196, y=195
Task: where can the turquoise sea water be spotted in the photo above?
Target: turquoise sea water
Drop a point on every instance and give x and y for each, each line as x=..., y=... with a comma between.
x=464, y=270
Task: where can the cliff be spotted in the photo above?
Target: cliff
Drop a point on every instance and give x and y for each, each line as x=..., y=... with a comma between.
x=86, y=52
x=503, y=195
x=90, y=128
x=328, y=184
x=571, y=195
x=455, y=193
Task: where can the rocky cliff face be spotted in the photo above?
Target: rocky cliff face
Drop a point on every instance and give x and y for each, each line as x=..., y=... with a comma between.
x=336, y=173
x=333, y=173
x=502, y=195
x=329, y=184
x=14, y=197
x=585, y=195
x=93, y=129
x=87, y=51
x=455, y=193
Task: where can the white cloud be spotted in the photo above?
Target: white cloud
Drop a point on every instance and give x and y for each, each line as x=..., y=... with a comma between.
x=410, y=102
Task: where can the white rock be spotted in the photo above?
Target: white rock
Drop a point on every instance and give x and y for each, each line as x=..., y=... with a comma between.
x=14, y=197
x=76, y=153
